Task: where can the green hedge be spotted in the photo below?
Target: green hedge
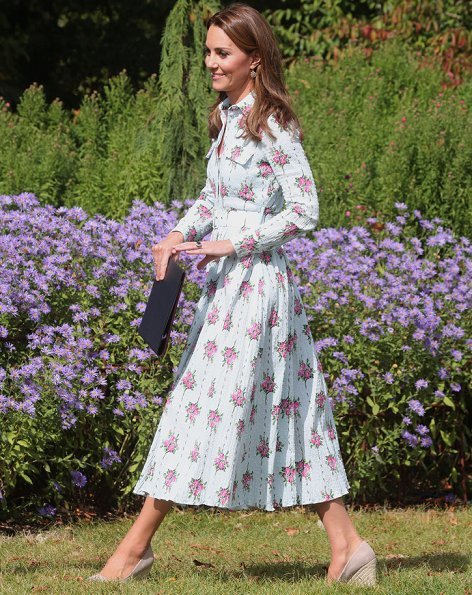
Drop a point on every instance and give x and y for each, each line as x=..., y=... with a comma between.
x=377, y=130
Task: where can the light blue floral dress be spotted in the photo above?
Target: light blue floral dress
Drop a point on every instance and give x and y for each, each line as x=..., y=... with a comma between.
x=247, y=423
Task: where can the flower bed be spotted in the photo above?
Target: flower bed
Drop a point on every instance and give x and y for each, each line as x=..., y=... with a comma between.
x=80, y=394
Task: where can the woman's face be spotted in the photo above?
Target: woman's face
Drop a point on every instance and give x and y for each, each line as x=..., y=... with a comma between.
x=229, y=65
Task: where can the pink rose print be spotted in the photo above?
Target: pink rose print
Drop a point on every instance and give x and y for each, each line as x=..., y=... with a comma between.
x=262, y=448
x=227, y=279
x=274, y=318
x=277, y=503
x=246, y=481
x=266, y=256
x=151, y=470
x=214, y=418
x=236, y=152
x=246, y=192
x=255, y=330
x=276, y=412
x=298, y=304
x=246, y=288
x=289, y=408
x=253, y=393
x=223, y=496
x=235, y=487
x=189, y=380
x=252, y=416
x=170, y=477
x=223, y=190
x=280, y=278
x=170, y=443
x=285, y=347
x=278, y=445
x=331, y=432
x=240, y=427
x=303, y=468
x=204, y=212
x=332, y=462
x=241, y=122
x=195, y=452
x=213, y=315
x=264, y=169
x=195, y=487
x=256, y=358
x=315, y=439
x=210, y=349
x=227, y=324
x=213, y=187
x=288, y=474
x=247, y=261
x=248, y=243
x=268, y=384
x=211, y=390
x=320, y=367
x=307, y=331
x=221, y=461
x=298, y=208
x=192, y=233
x=320, y=399
x=280, y=158
x=327, y=495
x=260, y=287
x=270, y=480
x=211, y=288
x=305, y=371
x=304, y=183
x=230, y=355
x=193, y=410
x=289, y=230
x=238, y=397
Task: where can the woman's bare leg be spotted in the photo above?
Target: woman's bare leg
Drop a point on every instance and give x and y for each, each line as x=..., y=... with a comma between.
x=135, y=542
x=342, y=535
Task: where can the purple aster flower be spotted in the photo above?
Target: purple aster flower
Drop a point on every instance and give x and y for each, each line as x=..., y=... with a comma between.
x=388, y=377
x=111, y=457
x=421, y=383
x=455, y=386
x=426, y=442
x=78, y=478
x=422, y=430
x=401, y=206
x=411, y=439
x=47, y=510
x=416, y=406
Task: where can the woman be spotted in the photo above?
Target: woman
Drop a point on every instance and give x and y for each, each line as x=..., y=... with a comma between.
x=247, y=423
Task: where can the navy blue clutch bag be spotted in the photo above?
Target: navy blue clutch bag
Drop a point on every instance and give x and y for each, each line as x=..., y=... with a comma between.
x=156, y=323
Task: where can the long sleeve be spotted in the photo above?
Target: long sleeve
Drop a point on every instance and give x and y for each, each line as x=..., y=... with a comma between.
x=198, y=220
x=292, y=171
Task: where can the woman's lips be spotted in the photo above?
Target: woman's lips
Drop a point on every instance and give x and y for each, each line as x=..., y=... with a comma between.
x=217, y=76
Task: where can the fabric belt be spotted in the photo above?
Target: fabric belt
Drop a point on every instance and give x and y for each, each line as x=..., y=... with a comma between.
x=238, y=218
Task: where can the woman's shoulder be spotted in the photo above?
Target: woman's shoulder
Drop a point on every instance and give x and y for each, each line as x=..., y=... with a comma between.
x=279, y=132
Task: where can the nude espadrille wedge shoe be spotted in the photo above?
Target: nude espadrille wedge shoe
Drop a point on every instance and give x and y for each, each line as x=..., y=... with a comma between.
x=141, y=570
x=361, y=568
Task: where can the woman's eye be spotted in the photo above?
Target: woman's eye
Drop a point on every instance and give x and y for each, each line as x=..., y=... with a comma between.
x=206, y=51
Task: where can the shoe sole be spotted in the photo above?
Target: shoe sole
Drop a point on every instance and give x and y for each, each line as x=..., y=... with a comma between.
x=366, y=575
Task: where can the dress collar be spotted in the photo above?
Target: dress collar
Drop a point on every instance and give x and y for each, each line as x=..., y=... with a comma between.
x=246, y=101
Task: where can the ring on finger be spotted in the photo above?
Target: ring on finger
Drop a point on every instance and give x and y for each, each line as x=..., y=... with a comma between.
x=199, y=244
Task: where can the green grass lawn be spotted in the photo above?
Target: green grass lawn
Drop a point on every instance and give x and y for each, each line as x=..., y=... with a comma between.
x=210, y=551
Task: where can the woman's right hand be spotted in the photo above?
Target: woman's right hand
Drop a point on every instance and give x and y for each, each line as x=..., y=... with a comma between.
x=162, y=252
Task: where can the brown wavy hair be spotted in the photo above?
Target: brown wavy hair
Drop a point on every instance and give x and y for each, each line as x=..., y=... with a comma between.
x=248, y=29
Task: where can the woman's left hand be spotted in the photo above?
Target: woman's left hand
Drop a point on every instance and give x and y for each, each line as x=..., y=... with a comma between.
x=213, y=250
